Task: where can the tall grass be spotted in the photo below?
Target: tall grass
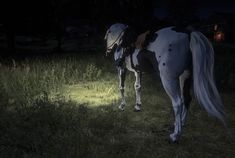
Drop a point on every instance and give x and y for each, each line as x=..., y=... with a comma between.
x=26, y=81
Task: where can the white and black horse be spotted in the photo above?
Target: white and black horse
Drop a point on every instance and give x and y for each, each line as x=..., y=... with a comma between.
x=177, y=56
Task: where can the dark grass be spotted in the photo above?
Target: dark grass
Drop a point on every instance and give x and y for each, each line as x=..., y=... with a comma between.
x=68, y=130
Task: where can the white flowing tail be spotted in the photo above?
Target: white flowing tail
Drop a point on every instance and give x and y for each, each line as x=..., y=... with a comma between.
x=203, y=76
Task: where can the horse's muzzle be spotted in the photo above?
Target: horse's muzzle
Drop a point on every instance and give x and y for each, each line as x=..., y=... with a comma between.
x=111, y=49
x=108, y=51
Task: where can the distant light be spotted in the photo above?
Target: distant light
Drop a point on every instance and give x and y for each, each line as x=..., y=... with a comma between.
x=219, y=36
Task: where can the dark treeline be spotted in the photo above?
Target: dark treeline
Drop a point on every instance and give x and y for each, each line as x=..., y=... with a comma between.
x=44, y=18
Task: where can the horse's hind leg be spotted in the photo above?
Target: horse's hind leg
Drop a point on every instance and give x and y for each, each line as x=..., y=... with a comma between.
x=122, y=76
x=137, y=86
x=172, y=88
x=185, y=85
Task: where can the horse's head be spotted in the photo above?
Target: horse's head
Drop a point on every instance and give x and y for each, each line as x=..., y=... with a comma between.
x=114, y=36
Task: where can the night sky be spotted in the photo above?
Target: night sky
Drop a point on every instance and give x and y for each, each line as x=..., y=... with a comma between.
x=204, y=8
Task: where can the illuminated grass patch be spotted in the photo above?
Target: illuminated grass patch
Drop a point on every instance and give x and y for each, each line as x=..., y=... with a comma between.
x=92, y=93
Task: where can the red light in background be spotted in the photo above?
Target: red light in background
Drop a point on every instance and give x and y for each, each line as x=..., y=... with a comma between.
x=219, y=36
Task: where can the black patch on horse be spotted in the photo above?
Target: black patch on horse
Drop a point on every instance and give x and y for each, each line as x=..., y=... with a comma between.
x=149, y=39
x=147, y=61
x=129, y=37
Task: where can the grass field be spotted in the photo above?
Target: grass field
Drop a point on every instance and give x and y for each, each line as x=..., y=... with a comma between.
x=65, y=106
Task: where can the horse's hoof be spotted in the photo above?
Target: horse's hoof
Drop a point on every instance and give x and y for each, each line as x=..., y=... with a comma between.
x=137, y=108
x=173, y=139
x=121, y=107
x=170, y=141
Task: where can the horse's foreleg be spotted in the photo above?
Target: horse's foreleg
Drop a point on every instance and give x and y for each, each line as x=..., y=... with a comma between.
x=137, y=86
x=122, y=77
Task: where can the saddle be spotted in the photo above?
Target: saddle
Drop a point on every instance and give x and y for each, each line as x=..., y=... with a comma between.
x=132, y=40
x=141, y=42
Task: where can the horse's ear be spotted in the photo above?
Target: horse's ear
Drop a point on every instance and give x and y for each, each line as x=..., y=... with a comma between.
x=106, y=34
